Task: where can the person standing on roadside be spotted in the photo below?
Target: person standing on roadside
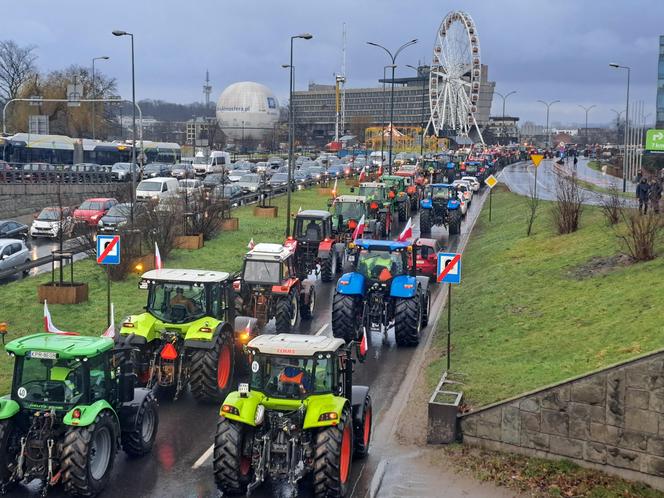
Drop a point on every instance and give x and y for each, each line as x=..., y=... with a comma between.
x=655, y=194
x=642, y=191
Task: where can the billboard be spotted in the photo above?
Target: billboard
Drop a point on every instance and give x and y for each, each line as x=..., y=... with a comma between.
x=655, y=140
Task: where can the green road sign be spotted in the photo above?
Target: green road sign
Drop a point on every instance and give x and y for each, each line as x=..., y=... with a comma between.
x=655, y=140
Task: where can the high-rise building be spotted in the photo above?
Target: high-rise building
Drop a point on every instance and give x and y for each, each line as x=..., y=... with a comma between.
x=660, y=85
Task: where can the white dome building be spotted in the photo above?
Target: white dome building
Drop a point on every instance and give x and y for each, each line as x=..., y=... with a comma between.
x=249, y=108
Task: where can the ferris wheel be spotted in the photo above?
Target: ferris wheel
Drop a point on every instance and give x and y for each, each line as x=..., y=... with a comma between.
x=454, y=80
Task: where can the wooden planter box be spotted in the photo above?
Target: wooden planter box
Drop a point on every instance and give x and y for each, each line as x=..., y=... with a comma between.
x=325, y=191
x=142, y=264
x=266, y=212
x=230, y=224
x=67, y=293
x=189, y=241
x=352, y=182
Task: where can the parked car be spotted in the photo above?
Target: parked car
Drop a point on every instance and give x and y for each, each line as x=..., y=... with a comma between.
x=157, y=170
x=301, y=177
x=427, y=257
x=336, y=171
x=246, y=166
x=119, y=215
x=463, y=187
x=474, y=182
x=181, y=171
x=231, y=192
x=10, y=229
x=211, y=181
x=190, y=186
x=121, y=172
x=262, y=167
x=48, y=222
x=316, y=172
x=13, y=252
x=250, y=182
x=90, y=212
x=236, y=175
x=157, y=189
x=216, y=163
x=278, y=180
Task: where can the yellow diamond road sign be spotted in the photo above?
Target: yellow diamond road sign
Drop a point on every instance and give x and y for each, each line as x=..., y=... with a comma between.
x=536, y=159
x=491, y=181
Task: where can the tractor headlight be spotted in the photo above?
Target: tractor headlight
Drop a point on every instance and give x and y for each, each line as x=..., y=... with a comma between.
x=260, y=415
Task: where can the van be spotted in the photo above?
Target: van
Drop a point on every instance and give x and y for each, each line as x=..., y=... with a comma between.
x=216, y=163
x=157, y=189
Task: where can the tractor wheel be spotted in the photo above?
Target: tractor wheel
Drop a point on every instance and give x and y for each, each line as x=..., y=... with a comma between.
x=307, y=310
x=232, y=468
x=385, y=229
x=340, y=263
x=414, y=203
x=212, y=369
x=403, y=211
x=363, y=433
x=332, y=458
x=287, y=313
x=346, y=319
x=87, y=456
x=139, y=441
x=426, y=308
x=328, y=267
x=408, y=321
x=455, y=223
x=425, y=222
x=9, y=448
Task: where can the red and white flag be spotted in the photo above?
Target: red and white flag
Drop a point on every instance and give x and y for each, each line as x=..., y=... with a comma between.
x=359, y=229
x=48, y=323
x=407, y=232
x=251, y=244
x=158, y=264
x=364, y=345
x=110, y=331
x=334, y=189
x=380, y=171
x=363, y=175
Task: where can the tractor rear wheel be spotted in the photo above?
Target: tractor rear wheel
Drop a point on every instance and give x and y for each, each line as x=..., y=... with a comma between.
x=140, y=440
x=332, y=458
x=307, y=309
x=346, y=319
x=455, y=223
x=287, y=313
x=363, y=432
x=426, y=308
x=425, y=222
x=232, y=468
x=328, y=267
x=403, y=210
x=87, y=456
x=212, y=369
x=385, y=229
x=9, y=448
x=408, y=321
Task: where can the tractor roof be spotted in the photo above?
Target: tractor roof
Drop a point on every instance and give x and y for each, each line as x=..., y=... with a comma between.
x=391, y=177
x=295, y=344
x=313, y=213
x=192, y=276
x=372, y=184
x=66, y=346
x=351, y=198
x=269, y=251
x=387, y=245
x=441, y=185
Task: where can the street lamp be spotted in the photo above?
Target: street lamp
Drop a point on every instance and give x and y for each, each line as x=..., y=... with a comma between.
x=383, y=118
x=504, y=97
x=118, y=32
x=629, y=70
x=548, y=106
x=94, y=90
x=424, y=93
x=587, y=109
x=291, y=130
x=393, y=58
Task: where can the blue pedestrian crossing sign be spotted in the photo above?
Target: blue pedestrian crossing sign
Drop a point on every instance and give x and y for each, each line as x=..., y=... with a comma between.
x=449, y=268
x=108, y=249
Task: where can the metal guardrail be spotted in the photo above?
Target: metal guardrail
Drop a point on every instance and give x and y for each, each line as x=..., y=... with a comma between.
x=46, y=176
x=44, y=260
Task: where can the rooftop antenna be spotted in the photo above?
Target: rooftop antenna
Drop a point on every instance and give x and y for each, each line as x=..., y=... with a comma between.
x=207, y=89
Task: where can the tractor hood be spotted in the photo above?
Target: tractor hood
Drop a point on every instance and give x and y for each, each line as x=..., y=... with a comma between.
x=149, y=327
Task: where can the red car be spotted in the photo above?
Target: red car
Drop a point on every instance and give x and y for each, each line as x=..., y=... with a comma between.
x=427, y=257
x=91, y=211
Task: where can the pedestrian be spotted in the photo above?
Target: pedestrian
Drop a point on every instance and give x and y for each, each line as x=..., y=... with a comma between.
x=576, y=160
x=642, y=191
x=655, y=194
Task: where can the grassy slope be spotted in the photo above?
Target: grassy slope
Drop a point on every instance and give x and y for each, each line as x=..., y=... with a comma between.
x=522, y=320
x=18, y=300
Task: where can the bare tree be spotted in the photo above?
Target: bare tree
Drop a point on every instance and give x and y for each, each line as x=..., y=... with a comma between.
x=569, y=204
x=640, y=234
x=17, y=65
x=532, y=202
x=612, y=205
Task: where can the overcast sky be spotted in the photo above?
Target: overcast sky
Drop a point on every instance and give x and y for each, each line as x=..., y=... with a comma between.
x=543, y=49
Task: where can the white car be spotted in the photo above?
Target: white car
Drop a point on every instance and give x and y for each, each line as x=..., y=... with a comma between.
x=13, y=252
x=474, y=182
x=47, y=223
x=464, y=188
x=157, y=189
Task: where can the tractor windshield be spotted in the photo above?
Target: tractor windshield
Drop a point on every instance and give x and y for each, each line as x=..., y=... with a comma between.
x=262, y=272
x=290, y=377
x=309, y=229
x=50, y=381
x=374, y=193
x=380, y=265
x=442, y=193
x=349, y=210
x=177, y=302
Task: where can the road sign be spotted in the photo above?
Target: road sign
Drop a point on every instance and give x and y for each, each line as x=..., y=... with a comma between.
x=536, y=159
x=491, y=181
x=108, y=249
x=655, y=140
x=449, y=268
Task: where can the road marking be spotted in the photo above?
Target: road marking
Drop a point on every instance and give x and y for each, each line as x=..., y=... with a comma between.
x=377, y=478
x=322, y=329
x=204, y=457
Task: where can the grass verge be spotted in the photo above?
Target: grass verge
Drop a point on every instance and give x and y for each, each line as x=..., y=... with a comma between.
x=535, y=310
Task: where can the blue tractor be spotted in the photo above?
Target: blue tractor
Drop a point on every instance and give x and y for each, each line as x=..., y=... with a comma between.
x=440, y=206
x=382, y=290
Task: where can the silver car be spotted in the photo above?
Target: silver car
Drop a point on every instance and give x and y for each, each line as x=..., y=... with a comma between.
x=13, y=252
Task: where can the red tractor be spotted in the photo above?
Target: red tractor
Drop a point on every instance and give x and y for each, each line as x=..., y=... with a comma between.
x=269, y=287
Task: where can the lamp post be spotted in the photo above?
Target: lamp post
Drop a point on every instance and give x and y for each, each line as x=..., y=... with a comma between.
x=382, y=130
x=393, y=58
x=548, y=106
x=118, y=32
x=291, y=131
x=94, y=90
x=587, y=110
x=504, y=97
x=424, y=93
x=629, y=71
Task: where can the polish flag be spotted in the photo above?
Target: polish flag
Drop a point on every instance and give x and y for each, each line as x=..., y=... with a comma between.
x=380, y=171
x=334, y=189
x=158, y=264
x=251, y=244
x=299, y=210
x=48, y=323
x=363, y=175
x=359, y=229
x=110, y=331
x=407, y=231
x=364, y=345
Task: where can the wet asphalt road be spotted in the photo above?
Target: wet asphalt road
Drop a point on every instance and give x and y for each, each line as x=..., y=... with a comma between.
x=180, y=464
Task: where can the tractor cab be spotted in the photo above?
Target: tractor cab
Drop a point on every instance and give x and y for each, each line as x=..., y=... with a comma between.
x=382, y=260
x=347, y=212
x=313, y=244
x=312, y=226
x=440, y=206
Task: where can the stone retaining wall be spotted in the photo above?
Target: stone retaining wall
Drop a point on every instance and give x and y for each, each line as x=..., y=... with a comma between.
x=612, y=419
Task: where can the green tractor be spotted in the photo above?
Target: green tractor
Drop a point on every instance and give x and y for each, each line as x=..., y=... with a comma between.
x=72, y=405
x=188, y=334
x=397, y=193
x=299, y=416
x=380, y=207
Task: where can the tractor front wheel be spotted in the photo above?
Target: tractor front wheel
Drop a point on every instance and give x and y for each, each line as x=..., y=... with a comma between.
x=307, y=308
x=426, y=308
x=287, y=313
x=332, y=458
x=328, y=267
x=363, y=432
x=232, y=467
x=212, y=369
x=455, y=223
x=140, y=440
x=87, y=456
x=408, y=321
x=346, y=319
x=9, y=448
x=425, y=222
x=403, y=210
